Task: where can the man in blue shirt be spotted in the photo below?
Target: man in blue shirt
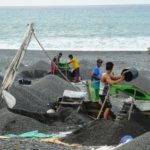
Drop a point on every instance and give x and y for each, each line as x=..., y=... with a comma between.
x=95, y=77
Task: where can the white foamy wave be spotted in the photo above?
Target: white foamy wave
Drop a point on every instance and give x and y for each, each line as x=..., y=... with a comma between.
x=84, y=44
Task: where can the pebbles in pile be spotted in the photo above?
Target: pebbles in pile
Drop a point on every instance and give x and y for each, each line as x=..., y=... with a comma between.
x=66, y=119
x=71, y=117
x=32, y=101
x=2, y=102
x=31, y=144
x=102, y=132
x=26, y=100
x=35, y=98
x=37, y=70
x=52, y=86
x=17, y=124
x=140, y=143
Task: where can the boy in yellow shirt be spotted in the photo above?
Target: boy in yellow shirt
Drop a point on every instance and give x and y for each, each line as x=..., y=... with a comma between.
x=75, y=66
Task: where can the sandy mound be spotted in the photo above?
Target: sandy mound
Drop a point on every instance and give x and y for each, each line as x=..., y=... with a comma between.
x=35, y=98
x=28, y=101
x=71, y=117
x=14, y=123
x=2, y=103
x=66, y=119
x=37, y=70
x=32, y=144
x=140, y=143
x=31, y=101
x=51, y=86
x=104, y=132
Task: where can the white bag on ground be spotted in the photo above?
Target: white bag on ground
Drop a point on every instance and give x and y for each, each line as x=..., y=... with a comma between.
x=74, y=94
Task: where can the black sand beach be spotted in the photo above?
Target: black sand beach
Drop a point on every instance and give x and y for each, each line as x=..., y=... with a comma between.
x=32, y=100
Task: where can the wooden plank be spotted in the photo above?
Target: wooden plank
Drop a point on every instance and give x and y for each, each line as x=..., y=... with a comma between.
x=69, y=103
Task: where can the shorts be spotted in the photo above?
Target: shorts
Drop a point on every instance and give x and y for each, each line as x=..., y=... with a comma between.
x=76, y=72
x=107, y=103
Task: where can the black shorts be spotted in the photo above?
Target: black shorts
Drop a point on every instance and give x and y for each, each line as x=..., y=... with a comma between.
x=76, y=72
x=107, y=103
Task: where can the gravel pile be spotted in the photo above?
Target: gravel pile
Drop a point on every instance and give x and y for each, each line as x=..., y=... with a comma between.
x=2, y=104
x=31, y=101
x=64, y=120
x=28, y=101
x=37, y=70
x=30, y=144
x=51, y=86
x=70, y=117
x=140, y=143
x=35, y=98
x=17, y=124
x=102, y=132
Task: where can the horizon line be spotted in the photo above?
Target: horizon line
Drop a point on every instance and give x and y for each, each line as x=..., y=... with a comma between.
x=71, y=5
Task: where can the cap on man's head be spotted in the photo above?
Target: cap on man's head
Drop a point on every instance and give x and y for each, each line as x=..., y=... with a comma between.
x=99, y=61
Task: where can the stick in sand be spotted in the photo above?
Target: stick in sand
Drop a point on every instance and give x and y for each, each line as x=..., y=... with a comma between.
x=103, y=104
x=132, y=103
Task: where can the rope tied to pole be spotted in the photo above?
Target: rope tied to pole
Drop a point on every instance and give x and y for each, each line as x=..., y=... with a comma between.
x=49, y=57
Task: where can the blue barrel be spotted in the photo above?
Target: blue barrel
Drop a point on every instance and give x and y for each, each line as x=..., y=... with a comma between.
x=130, y=74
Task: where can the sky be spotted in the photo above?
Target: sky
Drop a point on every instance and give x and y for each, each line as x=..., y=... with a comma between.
x=68, y=2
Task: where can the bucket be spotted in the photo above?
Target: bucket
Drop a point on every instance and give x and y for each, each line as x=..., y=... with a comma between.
x=130, y=74
x=126, y=139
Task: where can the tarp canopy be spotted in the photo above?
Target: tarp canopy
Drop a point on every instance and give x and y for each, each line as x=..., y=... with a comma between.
x=130, y=91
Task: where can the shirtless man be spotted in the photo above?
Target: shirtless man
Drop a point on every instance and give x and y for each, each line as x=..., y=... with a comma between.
x=108, y=79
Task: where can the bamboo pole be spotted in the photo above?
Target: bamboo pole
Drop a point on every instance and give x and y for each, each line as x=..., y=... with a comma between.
x=103, y=104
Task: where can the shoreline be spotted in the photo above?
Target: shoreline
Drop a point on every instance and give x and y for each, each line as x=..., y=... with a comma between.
x=53, y=50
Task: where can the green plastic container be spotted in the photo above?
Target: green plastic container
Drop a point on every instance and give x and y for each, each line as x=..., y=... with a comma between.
x=94, y=97
x=63, y=66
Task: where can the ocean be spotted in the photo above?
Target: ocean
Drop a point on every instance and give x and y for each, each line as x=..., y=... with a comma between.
x=100, y=28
